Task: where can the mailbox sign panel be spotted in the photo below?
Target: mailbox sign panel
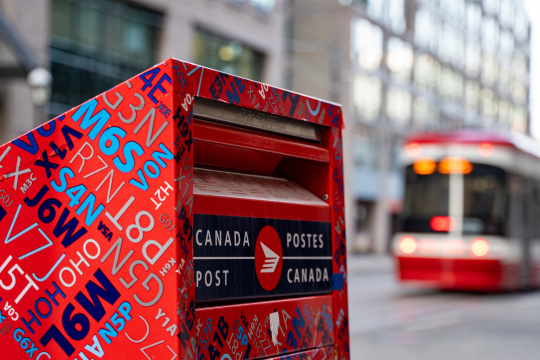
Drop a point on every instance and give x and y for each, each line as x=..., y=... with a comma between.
x=240, y=257
x=112, y=247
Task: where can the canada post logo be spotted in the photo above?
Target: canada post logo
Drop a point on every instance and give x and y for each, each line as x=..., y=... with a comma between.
x=268, y=258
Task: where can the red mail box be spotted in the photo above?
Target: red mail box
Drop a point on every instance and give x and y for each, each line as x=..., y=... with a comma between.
x=184, y=213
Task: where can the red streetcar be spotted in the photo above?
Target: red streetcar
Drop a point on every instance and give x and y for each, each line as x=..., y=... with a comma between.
x=471, y=214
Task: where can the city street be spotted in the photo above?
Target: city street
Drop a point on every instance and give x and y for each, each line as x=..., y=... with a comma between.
x=392, y=321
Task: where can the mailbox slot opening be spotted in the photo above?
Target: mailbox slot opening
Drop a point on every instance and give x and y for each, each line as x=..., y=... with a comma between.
x=232, y=138
x=229, y=148
x=256, y=120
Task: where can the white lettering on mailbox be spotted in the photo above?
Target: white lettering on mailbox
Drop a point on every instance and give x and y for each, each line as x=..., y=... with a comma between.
x=307, y=275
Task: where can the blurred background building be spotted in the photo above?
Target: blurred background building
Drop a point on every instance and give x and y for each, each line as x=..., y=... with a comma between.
x=397, y=66
x=90, y=46
x=402, y=66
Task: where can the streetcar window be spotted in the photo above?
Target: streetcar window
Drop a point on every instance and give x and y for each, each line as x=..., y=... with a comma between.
x=484, y=200
x=534, y=213
x=426, y=196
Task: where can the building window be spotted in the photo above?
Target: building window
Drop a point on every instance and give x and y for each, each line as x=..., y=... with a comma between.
x=506, y=15
x=520, y=65
x=519, y=119
x=472, y=61
x=261, y=6
x=450, y=85
x=521, y=27
x=425, y=114
x=490, y=70
x=396, y=15
x=264, y=6
x=4, y=133
x=453, y=9
x=490, y=35
x=519, y=92
x=427, y=28
x=426, y=73
x=366, y=150
x=472, y=94
x=367, y=96
x=504, y=112
x=400, y=60
x=474, y=20
x=488, y=105
x=376, y=9
x=225, y=55
x=491, y=6
x=504, y=80
x=97, y=44
x=398, y=105
x=507, y=44
x=368, y=44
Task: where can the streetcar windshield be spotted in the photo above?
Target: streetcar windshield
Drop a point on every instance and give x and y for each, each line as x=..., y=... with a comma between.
x=427, y=205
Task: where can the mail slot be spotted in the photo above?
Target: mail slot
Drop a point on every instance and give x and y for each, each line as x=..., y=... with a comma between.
x=184, y=213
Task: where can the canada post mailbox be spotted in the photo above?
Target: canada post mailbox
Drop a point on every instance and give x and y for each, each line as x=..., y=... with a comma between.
x=186, y=213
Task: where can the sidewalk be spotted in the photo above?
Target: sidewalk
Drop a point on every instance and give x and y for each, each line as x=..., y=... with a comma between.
x=369, y=264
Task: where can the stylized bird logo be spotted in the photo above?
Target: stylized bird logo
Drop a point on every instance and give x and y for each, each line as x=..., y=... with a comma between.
x=271, y=261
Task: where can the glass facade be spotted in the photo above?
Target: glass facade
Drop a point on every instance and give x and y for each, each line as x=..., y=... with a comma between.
x=262, y=7
x=439, y=64
x=230, y=56
x=96, y=44
x=430, y=65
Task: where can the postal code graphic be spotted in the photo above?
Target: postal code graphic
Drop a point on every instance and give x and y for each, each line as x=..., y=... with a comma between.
x=97, y=234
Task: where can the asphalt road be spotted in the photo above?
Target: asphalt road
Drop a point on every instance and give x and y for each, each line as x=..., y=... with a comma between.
x=391, y=321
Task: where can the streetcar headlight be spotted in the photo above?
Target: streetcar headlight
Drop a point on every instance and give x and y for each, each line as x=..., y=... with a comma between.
x=486, y=149
x=479, y=247
x=407, y=245
x=413, y=149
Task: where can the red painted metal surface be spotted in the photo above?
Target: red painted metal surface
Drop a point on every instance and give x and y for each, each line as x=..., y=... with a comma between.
x=253, y=208
x=228, y=135
x=96, y=217
x=245, y=331
x=315, y=354
x=230, y=194
x=462, y=137
x=460, y=274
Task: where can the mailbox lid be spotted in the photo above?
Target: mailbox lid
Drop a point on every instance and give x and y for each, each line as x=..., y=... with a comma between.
x=237, y=194
x=247, y=329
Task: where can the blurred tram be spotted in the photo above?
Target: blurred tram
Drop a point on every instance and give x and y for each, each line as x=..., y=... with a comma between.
x=471, y=212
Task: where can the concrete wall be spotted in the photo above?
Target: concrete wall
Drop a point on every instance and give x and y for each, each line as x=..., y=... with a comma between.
x=225, y=17
x=320, y=41
x=30, y=19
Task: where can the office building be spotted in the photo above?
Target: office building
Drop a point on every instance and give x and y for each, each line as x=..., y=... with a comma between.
x=403, y=66
x=91, y=45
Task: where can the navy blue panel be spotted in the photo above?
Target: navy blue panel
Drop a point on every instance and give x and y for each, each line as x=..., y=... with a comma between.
x=224, y=251
x=338, y=281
